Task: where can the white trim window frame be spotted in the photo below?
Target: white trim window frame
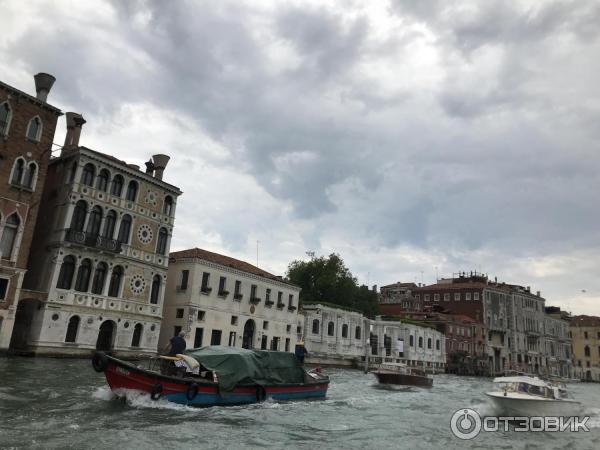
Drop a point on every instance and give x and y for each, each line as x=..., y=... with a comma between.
x=7, y=288
x=38, y=134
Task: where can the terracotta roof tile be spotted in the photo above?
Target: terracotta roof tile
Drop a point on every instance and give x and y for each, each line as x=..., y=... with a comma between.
x=227, y=261
x=585, y=321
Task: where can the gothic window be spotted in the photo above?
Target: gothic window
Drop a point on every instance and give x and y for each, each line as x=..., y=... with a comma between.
x=72, y=329
x=102, y=180
x=99, y=277
x=117, y=186
x=87, y=176
x=155, y=289
x=34, y=129
x=67, y=270
x=83, y=276
x=132, y=189
x=5, y=117
x=79, y=213
x=9, y=236
x=95, y=220
x=125, y=229
x=115, y=282
x=161, y=246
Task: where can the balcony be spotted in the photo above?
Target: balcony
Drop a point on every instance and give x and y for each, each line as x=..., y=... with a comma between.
x=223, y=294
x=280, y=305
x=238, y=297
x=269, y=303
x=92, y=240
x=292, y=308
x=255, y=300
x=205, y=290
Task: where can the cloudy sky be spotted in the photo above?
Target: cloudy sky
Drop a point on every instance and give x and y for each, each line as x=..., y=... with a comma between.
x=410, y=137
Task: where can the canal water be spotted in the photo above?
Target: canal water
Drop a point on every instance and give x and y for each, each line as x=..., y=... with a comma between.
x=51, y=403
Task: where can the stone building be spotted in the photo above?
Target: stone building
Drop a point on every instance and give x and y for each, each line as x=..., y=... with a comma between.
x=99, y=258
x=338, y=336
x=27, y=125
x=334, y=336
x=219, y=300
x=558, y=350
x=400, y=295
x=585, y=332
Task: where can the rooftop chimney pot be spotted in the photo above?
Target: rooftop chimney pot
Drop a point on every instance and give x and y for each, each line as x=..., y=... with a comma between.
x=74, y=123
x=43, y=84
x=160, y=163
x=149, y=167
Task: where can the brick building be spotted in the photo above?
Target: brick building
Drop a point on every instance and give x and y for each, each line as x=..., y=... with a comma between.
x=27, y=125
x=399, y=297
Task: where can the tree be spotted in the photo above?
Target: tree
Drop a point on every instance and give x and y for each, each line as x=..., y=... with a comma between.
x=328, y=280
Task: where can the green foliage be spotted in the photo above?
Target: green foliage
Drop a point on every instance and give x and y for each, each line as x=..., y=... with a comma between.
x=327, y=279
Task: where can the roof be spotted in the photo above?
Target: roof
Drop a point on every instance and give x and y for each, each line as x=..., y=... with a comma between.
x=398, y=284
x=448, y=286
x=585, y=321
x=227, y=261
x=534, y=381
x=34, y=99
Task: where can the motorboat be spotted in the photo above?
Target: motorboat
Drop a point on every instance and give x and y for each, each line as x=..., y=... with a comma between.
x=532, y=396
x=215, y=375
x=401, y=374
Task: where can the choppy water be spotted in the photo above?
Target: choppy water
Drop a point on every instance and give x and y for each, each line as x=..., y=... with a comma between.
x=48, y=403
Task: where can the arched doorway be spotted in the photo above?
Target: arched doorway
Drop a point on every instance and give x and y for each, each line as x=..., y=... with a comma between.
x=248, y=340
x=106, y=336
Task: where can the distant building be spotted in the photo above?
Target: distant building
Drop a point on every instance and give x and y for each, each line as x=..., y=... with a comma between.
x=27, y=125
x=558, y=350
x=99, y=259
x=219, y=300
x=399, y=297
x=338, y=336
x=585, y=332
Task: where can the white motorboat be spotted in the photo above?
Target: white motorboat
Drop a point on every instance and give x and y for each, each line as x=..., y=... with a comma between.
x=532, y=396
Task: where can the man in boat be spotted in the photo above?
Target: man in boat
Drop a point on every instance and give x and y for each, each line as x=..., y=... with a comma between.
x=301, y=352
x=176, y=345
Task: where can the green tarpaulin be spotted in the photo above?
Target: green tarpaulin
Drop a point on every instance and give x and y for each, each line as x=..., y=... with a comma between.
x=238, y=366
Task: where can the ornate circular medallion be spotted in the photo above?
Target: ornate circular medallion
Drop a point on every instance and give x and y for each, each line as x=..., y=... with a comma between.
x=137, y=284
x=145, y=234
x=151, y=197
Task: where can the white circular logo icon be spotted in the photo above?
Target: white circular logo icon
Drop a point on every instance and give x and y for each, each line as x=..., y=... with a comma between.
x=465, y=424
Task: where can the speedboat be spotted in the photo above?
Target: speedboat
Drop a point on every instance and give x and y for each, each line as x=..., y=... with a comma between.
x=532, y=396
x=215, y=375
x=401, y=374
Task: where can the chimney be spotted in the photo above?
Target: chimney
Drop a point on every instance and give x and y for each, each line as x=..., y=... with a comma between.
x=528, y=289
x=538, y=293
x=43, y=84
x=160, y=163
x=74, y=123
x=150, y=167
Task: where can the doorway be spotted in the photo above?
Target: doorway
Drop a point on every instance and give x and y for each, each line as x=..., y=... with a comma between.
x=106, y=336
x=248, y=338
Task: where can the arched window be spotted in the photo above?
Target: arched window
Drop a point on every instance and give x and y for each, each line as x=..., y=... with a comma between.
x=411, y=341
x=93, y=227
x=357, y=333
x=5, y=118
x=168, y=205
x=137, y=335
x=72, y=329
x=315, y=326
x=330, y=329
x=9, y=236
x=429, y=343
x=87, y=176
x=344, y=331
x=65, y=276
x=115, y=282
x=155, y=290
x=18, y=171
x=30, y=175
x=125, y=229
x=420, y=342
x=34, y=129
x=132, y=189
x=79, y=213
x=161, y=245
x=99, y=278
x=437, y=344
x=102, y=180
x=109, y=224
x=117, y=186
x=82, y=282
x=586, y=350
